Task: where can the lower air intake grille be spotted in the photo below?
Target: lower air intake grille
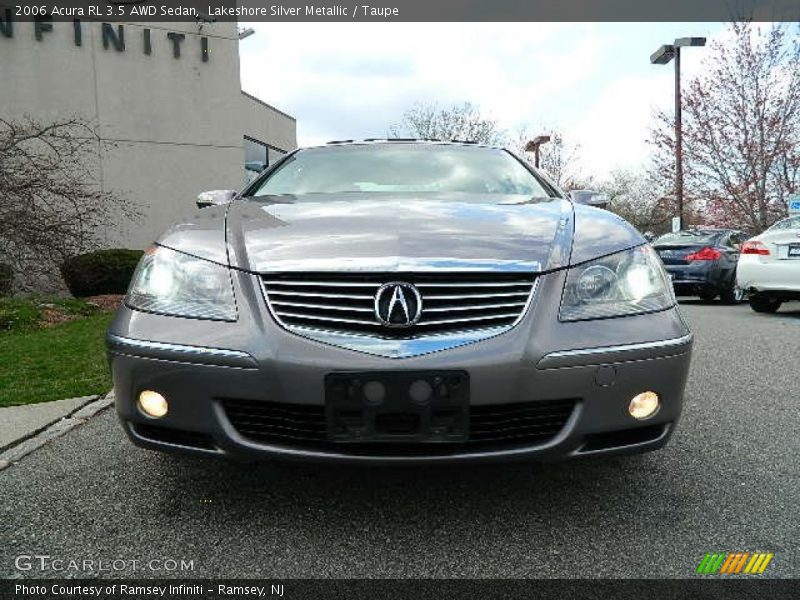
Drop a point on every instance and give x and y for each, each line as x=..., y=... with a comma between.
x=495, y=427
x=345, y=302
x=176, y=437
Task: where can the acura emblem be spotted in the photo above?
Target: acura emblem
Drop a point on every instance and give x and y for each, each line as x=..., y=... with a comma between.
x=398, y=304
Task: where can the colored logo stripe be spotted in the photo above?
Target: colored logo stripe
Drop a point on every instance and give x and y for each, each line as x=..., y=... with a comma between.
x=734, y=563
x=737, y=562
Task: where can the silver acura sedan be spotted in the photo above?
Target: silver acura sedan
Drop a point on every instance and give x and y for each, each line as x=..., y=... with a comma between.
x=398, y=301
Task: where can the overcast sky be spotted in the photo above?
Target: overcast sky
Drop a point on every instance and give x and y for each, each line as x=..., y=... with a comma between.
x=592, y=81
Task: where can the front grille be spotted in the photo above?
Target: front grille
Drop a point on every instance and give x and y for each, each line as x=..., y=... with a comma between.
x=177, y=437
x=345, y=302
x=620, y=439
x=493, y=427
x=525, y=422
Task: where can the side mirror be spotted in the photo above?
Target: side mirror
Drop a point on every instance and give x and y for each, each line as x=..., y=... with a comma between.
x=590, y=197
x=215, y=198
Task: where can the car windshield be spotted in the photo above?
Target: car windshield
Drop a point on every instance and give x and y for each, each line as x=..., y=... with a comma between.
x=686, y=238
x=401, y=168
x=790, y=223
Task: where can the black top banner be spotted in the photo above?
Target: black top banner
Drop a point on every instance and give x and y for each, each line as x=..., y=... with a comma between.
x=401, y=10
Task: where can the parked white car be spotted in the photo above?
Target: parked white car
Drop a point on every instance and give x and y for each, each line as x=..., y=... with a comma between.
x=769, y=266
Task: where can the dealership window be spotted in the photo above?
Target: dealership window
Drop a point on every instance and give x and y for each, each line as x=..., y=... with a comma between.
x=275, y=155
x=258, y=156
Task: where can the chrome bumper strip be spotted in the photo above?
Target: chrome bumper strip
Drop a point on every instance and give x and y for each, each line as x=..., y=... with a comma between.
x=399, y=264
x=621, y=353
x=178, y=352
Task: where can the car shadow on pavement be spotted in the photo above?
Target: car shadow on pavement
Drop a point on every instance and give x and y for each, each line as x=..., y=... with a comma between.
x=790, y=310
x=368, y=494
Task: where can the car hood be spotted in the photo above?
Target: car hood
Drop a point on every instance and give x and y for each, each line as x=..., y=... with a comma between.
x=398, y=233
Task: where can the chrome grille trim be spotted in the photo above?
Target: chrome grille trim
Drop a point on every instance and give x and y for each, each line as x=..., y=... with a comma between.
x=321, y=306
x=469, y=319
x=475, y=307
x=486, y=305
x=307, y=295
x=472, y=296
x=318, y=318
x=320, y=283
x=473, y=284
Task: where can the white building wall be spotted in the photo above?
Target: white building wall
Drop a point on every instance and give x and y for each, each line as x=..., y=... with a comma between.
x=171, y=128
x=278, y=129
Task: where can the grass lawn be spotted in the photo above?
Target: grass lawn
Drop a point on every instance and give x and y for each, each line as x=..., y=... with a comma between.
x=51, y=349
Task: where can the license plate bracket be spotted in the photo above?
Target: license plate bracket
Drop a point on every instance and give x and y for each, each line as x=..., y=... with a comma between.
x=397, y=406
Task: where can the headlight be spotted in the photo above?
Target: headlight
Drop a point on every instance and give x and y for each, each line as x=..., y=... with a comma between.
x=173, y=283
x=626, y=283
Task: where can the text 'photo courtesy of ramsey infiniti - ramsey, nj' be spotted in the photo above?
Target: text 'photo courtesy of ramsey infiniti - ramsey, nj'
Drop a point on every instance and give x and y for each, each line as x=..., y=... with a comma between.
x=398, y=301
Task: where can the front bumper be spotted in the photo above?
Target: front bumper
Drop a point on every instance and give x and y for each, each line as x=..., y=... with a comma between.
x=755, y=274
x=601, y=382
x=584, y=372
x=696, y=278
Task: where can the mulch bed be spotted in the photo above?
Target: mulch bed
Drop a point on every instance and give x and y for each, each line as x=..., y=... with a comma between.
x=106, y=302
x=52, y=315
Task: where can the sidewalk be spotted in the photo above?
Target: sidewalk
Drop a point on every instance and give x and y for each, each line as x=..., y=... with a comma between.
x=27, y=427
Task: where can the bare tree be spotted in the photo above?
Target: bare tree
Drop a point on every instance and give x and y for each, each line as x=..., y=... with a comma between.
x=637, y=198
x=741, y=129
x=558, y=158
x=465, y=122
x=51, y=203
x=458, y=122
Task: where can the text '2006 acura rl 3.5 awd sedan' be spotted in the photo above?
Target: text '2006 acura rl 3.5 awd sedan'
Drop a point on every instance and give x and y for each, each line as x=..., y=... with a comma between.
x=400, y=301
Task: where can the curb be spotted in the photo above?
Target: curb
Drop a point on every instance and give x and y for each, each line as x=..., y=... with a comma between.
x=81, y=400
x=55, y=430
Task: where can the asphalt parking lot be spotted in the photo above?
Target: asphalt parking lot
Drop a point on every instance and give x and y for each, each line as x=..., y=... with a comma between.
x=728, y=481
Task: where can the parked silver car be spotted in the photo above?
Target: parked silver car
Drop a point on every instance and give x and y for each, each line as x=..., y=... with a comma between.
x=400, y=301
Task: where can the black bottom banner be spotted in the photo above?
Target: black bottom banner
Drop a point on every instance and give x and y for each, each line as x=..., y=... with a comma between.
x=388, y=589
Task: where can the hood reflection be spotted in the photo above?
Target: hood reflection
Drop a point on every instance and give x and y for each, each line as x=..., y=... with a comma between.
x=395, y=232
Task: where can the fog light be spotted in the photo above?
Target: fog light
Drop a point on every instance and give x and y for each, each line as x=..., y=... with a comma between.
x=152, y=404
x=644, y=405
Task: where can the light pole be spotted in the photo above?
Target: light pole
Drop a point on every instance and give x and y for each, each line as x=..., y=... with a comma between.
x=533, y=146
x=661, y=57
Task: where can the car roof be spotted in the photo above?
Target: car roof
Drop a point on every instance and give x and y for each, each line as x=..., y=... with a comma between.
x=713, y=229
x=703, y=231
x=404, y=140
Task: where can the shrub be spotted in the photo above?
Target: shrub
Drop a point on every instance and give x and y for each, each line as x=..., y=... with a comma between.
x=6, y=279
x=101, y=272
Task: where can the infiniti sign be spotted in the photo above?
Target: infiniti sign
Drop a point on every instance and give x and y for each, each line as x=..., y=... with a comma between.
x=112, y=36
x=398, y=304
